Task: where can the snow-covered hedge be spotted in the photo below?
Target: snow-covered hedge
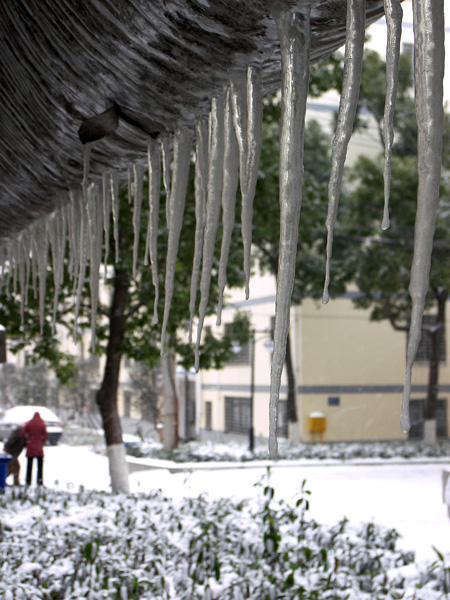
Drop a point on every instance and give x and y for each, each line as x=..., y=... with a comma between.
x=95, y=545
x=209, y=451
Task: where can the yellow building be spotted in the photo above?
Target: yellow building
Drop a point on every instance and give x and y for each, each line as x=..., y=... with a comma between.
x=349, y=373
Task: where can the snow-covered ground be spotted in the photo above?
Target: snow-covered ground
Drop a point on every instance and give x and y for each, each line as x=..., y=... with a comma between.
x=406, y=495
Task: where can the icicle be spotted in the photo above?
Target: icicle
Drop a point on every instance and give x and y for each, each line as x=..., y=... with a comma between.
x=34, y=261
x=26, y=244
x=230, y=182
x=154, y=193
x=165, y=147
x=14, y=264
x=295, y=42
x=106, y=195
x=137, y=194
x=41, y=246
x=115, y=211
x=394, y=15
x=57, y=236
x=82, y=261
x=181, y=159
x=429, y=36
x=130, y=185
x=95, y=218
x=21, y=247
x=254, y=140
x=86, y=168
x=73, y=237
x=201, y=184
x=247, y=116
x=213, y=202
x=354, y=51
x=53, y=234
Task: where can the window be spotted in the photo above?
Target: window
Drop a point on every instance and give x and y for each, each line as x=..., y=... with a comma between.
x=282, y=428
x=424, y=349
x=237, y=415
x=416, y=414
x=242, y=354
x=208, y=416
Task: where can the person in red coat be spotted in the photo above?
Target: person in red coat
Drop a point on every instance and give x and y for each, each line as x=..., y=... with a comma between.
x=34, y=433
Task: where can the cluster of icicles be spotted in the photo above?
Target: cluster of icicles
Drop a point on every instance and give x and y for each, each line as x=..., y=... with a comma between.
x=227, y=150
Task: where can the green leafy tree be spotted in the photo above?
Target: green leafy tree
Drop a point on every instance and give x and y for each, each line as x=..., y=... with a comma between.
x=124, y=326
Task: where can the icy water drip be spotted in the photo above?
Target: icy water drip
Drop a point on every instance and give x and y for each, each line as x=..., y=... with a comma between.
x=295, y=39
x=154, y=191
x=181, y=161
x=429, y=36
x=213, y=205
x=394, y=16
x=201, y=186
x=354, y=51
x=230, y=184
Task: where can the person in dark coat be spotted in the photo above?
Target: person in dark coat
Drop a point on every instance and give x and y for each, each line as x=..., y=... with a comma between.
x=14, y=446
x=34, y=433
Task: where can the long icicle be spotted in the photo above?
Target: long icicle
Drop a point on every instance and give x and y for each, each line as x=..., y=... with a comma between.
x=82, y=261
x=230, y=183
x=106, y=200
x=115, y=211
x=247, y=117
x=154, y=193
x=429, y=36
x=41, y=245
x=254, y=141
x=181, y=162
x=213, y=203
x=53, y=227
x=394, y=15
x=95, y=216
x=137, y=209
x=201, y=184
x=22, y=276
x=165, y=150
x=354, y=51
x=73, y=222
x=295, y=43
x=26, y=242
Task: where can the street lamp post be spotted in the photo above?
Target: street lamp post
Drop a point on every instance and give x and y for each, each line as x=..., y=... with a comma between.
x=251, y=431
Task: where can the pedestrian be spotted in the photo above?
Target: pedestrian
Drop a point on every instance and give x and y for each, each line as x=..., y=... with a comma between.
x=34, y=434
x=14, y=446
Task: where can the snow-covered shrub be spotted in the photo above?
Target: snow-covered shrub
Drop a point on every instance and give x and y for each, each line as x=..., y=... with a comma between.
x=234, y=452
x=56, y=545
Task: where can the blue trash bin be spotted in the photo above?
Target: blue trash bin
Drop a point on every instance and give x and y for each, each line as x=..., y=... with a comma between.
x=4, y=460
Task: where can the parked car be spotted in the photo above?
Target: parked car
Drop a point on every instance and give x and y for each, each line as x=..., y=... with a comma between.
x=19, y=415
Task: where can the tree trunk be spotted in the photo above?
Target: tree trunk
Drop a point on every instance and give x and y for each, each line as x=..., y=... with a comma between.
x=107, y=394
x=436, y=336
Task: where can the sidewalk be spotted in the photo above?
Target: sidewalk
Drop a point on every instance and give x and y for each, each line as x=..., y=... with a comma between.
x=149, y=464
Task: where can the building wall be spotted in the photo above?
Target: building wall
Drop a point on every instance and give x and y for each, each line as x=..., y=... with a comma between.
x=348, y=368
x=351, y=369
